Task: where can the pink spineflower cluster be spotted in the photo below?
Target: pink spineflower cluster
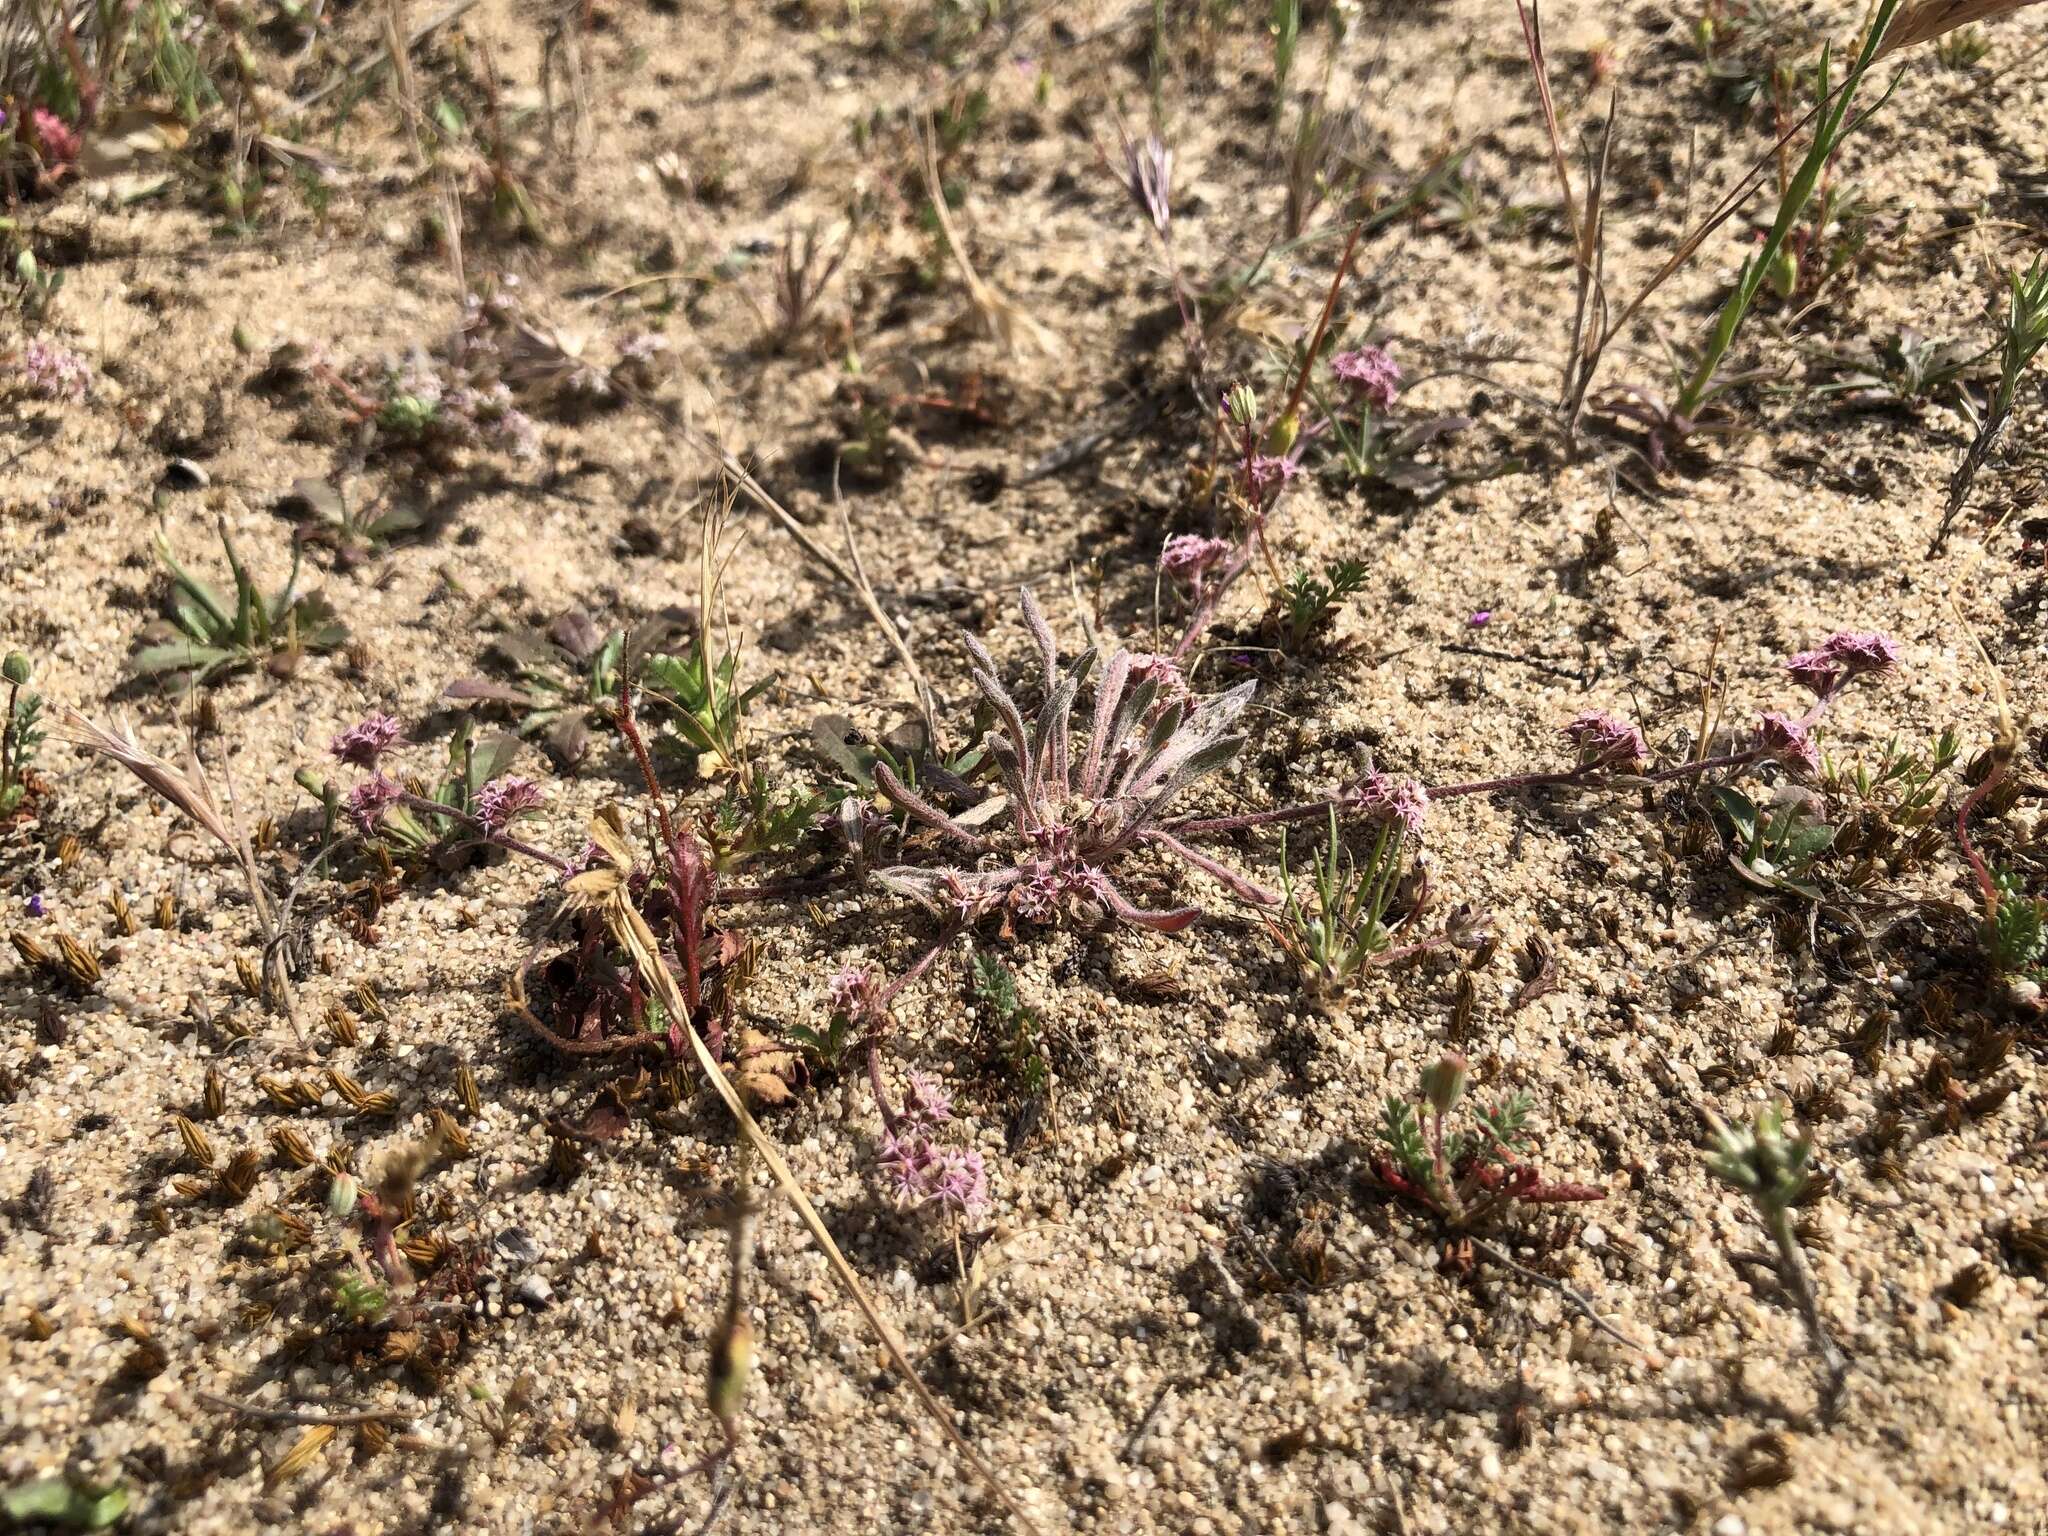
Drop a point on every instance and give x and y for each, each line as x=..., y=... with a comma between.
x=1784, y=740
x=1188, y=557
x=57, y=142
x=922, y=1171
x=369, y=800
x=365, y=741
x=504, y=800
x=54, y=372
x=1605, y=740
x=1393, y=802
x=856, y=993
x=1371, y=375
x=1845, y=655
x=1265, y=474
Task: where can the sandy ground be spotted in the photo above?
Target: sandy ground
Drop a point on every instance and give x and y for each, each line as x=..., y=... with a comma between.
x=1198, y=1315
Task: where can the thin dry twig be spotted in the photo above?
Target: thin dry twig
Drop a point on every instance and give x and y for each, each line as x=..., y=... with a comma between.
x=1576, y=1300
x=927, y=704
x=248, y=1410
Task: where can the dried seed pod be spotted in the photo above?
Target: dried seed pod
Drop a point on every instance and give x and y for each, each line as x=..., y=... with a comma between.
x=69, y=848
x=1968, y=1284
x=38, y=1326
x=254, y=1314
x=281, y=1091
x=265, y=837
x=465, y=1091
x=77, y=963
x=215, y=1094
x=347, y=1087
x=371, y=1438
x=370, y=1003
x=341, y=1025
x=191, y=1189
x=166, y=911
x=292, y=1147
x=124, y=919
x=1764, y=1462
x=304, y=1452
x=245, y=972
x=1988, y=1100
x=426, y=1250
x=1462, y=1006
x=206, y=716
x=295, y=1226
x=197, y=1147
x=33, y=953
x=340, y=1158
x=400, y=1347
x=239, y=1177
x=159, y=1218
x=377, y=1104
x=453, y=1137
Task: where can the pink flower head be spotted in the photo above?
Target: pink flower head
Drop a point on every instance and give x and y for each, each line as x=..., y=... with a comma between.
x=1785, y=740
x=1371, y=374
x=925, y=1100
x=1266, y=473
x=56, y=373
x=1395, y=802
x=856, y=994
x=369, y=800
x=365, y=741
x=925, y=1173
x=1606, y=740
x=55, y=140
x=1843, y=656
x=1165, y=672
x=1187, y=557
x=503, y=801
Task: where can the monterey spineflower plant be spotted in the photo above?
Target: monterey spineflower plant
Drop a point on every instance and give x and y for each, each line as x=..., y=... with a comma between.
x=1605, y=740
x=1188, y=557
x=1372, y=376
x=1073, y=810
x=367, y=740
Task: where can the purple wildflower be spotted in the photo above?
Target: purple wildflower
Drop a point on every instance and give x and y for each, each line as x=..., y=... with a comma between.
x=1605, y=740
x=1266, y=473
x=925, y=1101
x=35, y=905
x=369, y=800
x=1481, y=619
x=58, y=142
x=1788, y=741
x=56, y=373
x=856, y=993
x=502, y=801
x=924, y=1173
x=1398, y=802
x=1843, y=656
x=365, y=741
x=1371, y=374
x=1187, y=557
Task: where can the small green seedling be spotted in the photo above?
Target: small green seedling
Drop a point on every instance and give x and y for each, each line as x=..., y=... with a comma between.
x=209, y=635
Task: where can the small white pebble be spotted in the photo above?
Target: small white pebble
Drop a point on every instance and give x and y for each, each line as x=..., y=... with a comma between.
x=1731, y=1525
x=1595, y=1235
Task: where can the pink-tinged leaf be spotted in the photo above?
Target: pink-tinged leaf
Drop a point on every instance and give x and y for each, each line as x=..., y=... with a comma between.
x=483, y=689
x=1159, y=922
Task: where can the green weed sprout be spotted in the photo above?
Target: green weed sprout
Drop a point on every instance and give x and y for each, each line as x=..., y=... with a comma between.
x=1774, y=1169
x=210, y=634
x=20, y=732
x=1835, y=126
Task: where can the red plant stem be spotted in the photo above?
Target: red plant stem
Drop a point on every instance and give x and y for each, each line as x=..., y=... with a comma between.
x=686, y=876
x=872, y=1045
x=1986, y=886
